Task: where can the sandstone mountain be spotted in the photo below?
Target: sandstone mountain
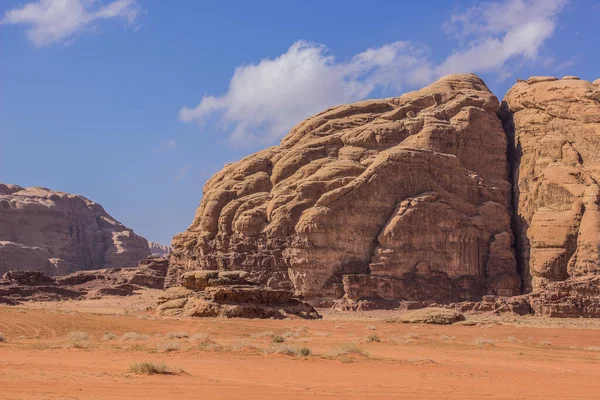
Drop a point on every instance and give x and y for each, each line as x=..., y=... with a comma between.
x=58, y=233
x=555, y=129
x=403, y=198
x=158, y=249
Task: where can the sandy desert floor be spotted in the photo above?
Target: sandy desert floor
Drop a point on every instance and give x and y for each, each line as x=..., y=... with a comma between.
x=84, y=350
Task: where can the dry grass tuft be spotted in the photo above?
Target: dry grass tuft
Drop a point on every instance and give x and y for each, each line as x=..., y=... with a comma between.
x=261, y=335
x=348, y=349
x=371, y=328
x=2, y=337
x=593, y=348
x=77, y=335
x=176, y=335
x=149, y=368
x=277, y=339
x=373, y=338
x=168, y=346
x=447, y=338
x=134, y=336
x=109, y=336
x=485, y=341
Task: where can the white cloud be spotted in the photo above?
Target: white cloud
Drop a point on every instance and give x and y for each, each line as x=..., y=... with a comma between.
x=51, y=21
x=183, y=171
x=265, y=100
x=169, y=144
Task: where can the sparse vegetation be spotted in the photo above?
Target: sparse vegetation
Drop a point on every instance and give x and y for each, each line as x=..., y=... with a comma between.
x=168, y=346
x=347, y=349
x=77, y=336
x=485, y=341
x=373, y=338
x=261, y=335
x=304, y=352
x=591, y=348
x=323, y=334
x=2, y=337
x=447, y=338
x=545, y=343
x=512, y=339
x=277, y=339
x=109, y=336
x=149, y=368
x=134, y=336
x=176, y=335
x=371, y=328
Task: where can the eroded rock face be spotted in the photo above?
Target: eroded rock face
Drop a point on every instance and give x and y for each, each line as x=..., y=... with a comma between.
x=59, y=233
x=555, y=130
x=393, y=194
x=21, y=286
x=207, y=293
x=158, y=249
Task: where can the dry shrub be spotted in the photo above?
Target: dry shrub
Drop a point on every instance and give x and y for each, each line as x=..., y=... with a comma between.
x=168, y=346
x=176, y=335
x=149, y=368
x=348, y=349
x=134, y=336
x=373, y=338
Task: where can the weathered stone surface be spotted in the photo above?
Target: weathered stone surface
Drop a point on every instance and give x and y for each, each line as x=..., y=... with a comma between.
x=199, y=280
x=59, y=233
x=233, y=301
x=575, y=297
x=405, y=193
x=21, y=286
x=432, y=315
x=554, y=126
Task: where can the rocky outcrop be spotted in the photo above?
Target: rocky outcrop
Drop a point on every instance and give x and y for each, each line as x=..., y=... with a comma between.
x=402, y=198
x=157, y=249
x=228, y=294
x=554, y=127
x=20, y=286
x=59, y=233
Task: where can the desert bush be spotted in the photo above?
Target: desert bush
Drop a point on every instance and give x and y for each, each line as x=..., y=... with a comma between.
x=347, y=348
x=591, y=348
x=168, y=346
x=277, y=339
x=77, y=335
x=109, y=336
x=176, y=335
x=545, y=343
x=373, y=338
x=371, y=328
x=149, y=368
x=304, y=352
x=134, y=336
x=324, y=334
x=2, y=337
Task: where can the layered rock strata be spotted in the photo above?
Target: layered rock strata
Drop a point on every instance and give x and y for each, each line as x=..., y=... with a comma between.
x=228, y=294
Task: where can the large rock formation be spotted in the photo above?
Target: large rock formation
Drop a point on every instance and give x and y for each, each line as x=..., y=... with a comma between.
x=555, y=130
x=158, y=249
x=21, y=286
x=58, y=233
x=403, y=198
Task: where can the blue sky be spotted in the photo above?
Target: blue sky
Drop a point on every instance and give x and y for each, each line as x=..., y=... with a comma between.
x=134, y=104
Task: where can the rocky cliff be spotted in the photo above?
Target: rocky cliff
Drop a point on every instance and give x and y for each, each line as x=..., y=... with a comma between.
x=403, y=198
x=554, y=126
x=58, y=233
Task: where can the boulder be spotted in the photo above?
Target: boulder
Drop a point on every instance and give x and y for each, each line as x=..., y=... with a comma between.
x=403, y=198
x=432, y=315
x=59, y=233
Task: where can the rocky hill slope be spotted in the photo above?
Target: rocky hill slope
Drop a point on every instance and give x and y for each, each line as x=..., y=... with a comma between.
x=402, y=198
x=58, y=233
x=419, y=198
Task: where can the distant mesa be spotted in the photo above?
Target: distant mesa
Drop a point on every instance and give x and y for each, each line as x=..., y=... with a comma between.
x=58, y=233
x=158, y=249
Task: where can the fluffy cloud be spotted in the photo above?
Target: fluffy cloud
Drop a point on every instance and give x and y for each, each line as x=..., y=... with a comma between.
x=51, y=21
x=264, y=100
